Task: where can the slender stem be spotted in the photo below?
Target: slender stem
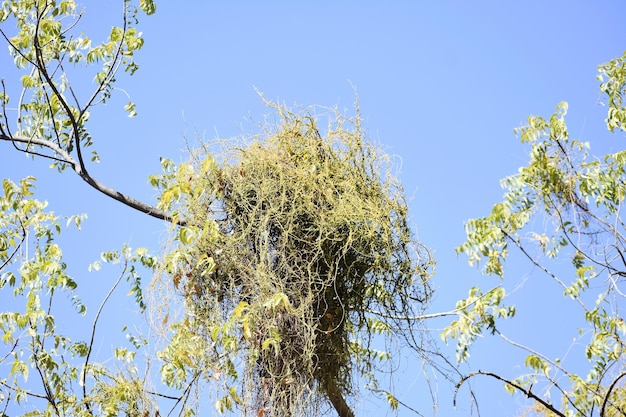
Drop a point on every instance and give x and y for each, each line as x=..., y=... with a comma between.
x=30, y=394
x=93, y=333
x=538, y=265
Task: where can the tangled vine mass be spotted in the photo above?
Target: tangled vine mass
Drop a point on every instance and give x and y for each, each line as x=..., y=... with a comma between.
x=297, y=255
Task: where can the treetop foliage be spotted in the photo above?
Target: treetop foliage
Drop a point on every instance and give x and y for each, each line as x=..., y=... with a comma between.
x=294, y=249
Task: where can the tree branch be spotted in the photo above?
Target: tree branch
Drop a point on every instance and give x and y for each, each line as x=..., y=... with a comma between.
x=63, y=153
x=534, y=261
x=36, y=345
x=528, y=392
x=455, y=312
x=106, y=190
x=110, y=75
x=551, y=362
x=17, y=248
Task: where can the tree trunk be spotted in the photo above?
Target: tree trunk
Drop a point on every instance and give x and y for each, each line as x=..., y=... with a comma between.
x=336, y=398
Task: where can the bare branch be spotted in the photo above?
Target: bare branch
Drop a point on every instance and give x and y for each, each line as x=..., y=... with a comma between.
x=528, y=392
x=30, y=394
x=158, y=394
x=608, y=394
x=455, y=312
x=65, y=157
x=106, y=190
x=550, y=361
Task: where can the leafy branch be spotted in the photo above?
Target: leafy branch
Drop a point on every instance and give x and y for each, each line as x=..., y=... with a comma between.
x=46, y=119
x=582, y=198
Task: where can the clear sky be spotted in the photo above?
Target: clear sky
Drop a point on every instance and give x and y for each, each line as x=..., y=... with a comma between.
x=441, y=86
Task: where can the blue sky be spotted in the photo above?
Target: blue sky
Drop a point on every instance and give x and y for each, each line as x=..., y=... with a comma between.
x=441, y=86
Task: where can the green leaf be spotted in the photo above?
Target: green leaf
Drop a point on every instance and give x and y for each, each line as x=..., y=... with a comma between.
x=148, y=6
x=130, y=108
x=392, y=400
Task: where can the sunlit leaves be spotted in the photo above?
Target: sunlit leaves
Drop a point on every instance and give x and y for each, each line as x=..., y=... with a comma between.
x=612, y=77
x=477, y=314
x=537, y=364
x=130, y=108
x=48, y=36
x=278, y=301
x=378, y=326
x=296, y=250
x=175, y=183
x=577, y=200
x=148, y=6
x=226, y=402
x=34, y=272
x=392, y=400
x=581, y=283
x=34, y=281
x=130, y=259
x=183, y=352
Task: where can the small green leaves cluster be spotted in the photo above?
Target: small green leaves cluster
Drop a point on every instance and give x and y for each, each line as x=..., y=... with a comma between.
x=25, y=227
x=130, y=260
x=47, y=43
x=477, y=313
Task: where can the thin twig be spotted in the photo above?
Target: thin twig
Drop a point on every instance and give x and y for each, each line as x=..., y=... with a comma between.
x=30, y=394
x=93, y=333
x=455, y=312
x=17, y=247
x=538, y=265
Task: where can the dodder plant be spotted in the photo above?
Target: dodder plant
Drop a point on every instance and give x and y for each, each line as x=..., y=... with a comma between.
x=297, y=256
